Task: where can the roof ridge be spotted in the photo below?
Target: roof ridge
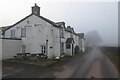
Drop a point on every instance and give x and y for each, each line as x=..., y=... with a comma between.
x=49, y=21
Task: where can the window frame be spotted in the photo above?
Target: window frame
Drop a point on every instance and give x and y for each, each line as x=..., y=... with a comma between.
x=12, y=33
x=43, y=49
x=23, y=32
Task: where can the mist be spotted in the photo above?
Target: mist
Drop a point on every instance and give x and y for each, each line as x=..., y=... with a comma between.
x=93, y=39
x=82, y=16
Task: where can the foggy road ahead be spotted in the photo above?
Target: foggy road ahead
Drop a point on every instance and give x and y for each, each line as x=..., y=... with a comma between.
x=97, y=65
x=85, y=65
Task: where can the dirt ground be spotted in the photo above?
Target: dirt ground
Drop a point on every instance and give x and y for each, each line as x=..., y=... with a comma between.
x=85, y=65
x=62, y=69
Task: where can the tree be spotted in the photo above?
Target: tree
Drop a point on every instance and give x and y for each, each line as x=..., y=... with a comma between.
x=93, y=39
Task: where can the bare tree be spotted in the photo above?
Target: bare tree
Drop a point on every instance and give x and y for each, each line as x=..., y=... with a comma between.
x=93, y=38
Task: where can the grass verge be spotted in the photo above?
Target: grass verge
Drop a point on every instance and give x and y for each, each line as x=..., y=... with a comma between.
x=113, y=54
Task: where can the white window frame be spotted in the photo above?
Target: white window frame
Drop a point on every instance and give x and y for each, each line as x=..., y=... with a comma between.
x=23, y=32
x=43, y=49
x=12, y=33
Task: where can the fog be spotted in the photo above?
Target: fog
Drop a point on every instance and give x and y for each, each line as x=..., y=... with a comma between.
x=93, y=39
x=82, y=16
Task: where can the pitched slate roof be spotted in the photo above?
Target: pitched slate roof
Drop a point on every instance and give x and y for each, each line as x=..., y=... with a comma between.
x=70, y=40
x=3, y=28
x=45, y=19
x=81, y=35
x=60, y=23
x=68, y=30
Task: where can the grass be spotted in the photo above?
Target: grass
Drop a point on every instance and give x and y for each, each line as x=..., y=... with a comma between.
x=8, y=69
x=113, y=54
x=114, y=58
x=88, y=49
x=20, y=64
x=41, y=63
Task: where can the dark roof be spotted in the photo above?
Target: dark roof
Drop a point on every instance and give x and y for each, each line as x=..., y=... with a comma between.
x=8, y=27
x=69, y=40
x=81, y=35
x=47, y=20
x=70, y=31
x=3, y=28
x=60, y=23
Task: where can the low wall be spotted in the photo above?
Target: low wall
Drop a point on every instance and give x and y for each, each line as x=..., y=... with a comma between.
x=0, y=58
x=10, y=47
x=0, y=49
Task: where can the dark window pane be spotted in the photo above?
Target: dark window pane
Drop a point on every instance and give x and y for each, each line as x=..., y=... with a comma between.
x=68, y=46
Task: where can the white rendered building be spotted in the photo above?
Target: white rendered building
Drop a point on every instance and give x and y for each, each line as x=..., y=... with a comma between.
x=36, y=34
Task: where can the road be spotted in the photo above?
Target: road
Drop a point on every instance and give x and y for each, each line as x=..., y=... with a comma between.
x=96, y=65
x=93, y=64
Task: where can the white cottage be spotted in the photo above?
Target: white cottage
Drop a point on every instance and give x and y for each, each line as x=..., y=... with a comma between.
x=39, y=35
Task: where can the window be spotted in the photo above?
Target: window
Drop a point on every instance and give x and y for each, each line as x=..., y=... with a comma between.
x=68, y=46
x=23, y=32
x=43, y=49
x=23, y=48
x=12, y=33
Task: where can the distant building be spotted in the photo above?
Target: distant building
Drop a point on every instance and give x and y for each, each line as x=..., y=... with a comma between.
x=37, y=35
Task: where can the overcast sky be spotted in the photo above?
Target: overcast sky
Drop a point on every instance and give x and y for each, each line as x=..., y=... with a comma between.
x=82, y=15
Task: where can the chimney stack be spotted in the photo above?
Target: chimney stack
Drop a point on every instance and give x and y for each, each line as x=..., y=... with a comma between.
x=36, y=10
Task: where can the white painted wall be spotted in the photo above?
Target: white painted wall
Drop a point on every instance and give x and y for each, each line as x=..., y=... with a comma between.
x=10, y=48
x=0, y=49
x=69, y=51
x=67, y=35
x=82, y=44
x=0, y=34
x=77, y=41
x=37, y=35
x=0, y=58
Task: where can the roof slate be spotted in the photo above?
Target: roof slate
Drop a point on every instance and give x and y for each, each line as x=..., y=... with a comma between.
x=45, y=19
x=70, y=40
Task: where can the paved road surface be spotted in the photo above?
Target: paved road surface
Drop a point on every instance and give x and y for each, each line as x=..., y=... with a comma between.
x=92, y=64
x=96, y=65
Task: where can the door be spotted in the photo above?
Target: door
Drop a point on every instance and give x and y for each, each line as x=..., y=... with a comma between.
x=62, y=47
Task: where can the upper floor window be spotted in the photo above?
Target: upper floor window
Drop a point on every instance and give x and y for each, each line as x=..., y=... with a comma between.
x=23, y=32
x=12, y=33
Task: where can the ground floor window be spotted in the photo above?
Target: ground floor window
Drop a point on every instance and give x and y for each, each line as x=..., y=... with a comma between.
x=43, y=49
x=23, y=48
x=68, y=46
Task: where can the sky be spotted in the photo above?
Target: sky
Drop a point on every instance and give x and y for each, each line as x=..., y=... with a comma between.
x=82, y=15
